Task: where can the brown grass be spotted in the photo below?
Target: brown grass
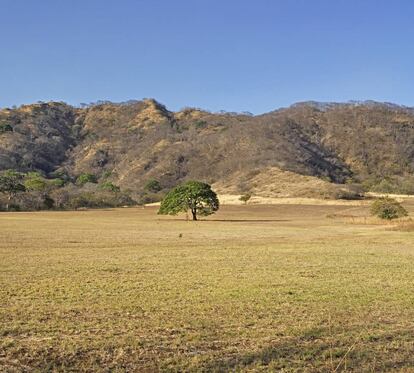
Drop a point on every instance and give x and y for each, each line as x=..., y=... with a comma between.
x=256, y=288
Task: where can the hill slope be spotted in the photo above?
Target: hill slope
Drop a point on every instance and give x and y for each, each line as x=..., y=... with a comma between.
x=133, y=142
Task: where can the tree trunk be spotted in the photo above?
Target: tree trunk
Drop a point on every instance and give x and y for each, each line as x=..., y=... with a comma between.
x=194, y=213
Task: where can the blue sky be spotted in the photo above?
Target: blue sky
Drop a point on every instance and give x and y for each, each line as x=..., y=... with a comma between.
x=254, y=55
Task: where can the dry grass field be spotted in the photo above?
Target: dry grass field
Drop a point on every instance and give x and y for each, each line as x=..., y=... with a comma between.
x=291, y=288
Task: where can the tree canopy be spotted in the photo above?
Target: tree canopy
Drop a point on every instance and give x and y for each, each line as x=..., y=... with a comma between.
x=388, y=208
x=153, y=186
x=86, y=178
x=245, y=198
x=196, y=196
x=35, y=182
x=11, y=183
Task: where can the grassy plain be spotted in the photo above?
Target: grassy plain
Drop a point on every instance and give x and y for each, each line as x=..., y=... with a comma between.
x=253, y=288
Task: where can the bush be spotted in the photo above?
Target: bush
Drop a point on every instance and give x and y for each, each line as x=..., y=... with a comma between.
x=153, y=186
x=388, y=208
x=58, y=183
x=200, y=124
x=145, y=198
x=100, y=200
x=5, y=128
x=395, y=184
x=61, y=197
x=351, y=192
x=14, y=207
x=86, y=178
x=109, y=186
x=245, y=198
x=384, y=186
x=60, y=175
x=48, y=202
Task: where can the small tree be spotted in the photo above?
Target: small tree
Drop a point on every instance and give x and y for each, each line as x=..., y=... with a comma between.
x=153, y=186
x=35, y=182
x=195, y=196
x=61, y=197
x=4, y=127
x=41, y=188
x=110, y=187
x=11, y=183
x=245, y=198
x=86, y=178
x=388, y=208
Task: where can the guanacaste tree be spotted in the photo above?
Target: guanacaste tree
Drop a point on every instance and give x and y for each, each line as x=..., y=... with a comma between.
x=194, y=196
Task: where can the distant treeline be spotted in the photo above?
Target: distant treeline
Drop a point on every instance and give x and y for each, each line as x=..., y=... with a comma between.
x=32, y=191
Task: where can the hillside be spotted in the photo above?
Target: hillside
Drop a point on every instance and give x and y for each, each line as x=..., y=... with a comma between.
x=137, y=141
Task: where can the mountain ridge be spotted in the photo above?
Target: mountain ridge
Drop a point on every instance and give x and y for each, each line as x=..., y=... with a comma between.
x=133, y=142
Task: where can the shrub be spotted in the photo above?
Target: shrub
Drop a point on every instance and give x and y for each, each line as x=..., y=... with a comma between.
x=388, y=208
x=145, y=198
x=245, y=198
x=35, y=182
x=153, y=186
x=395, y=184
x=61, y=197
x=11, y=184
x=99, y=200
x=48, y=202
x=57, y=183
x=200, y=124
x=351, y=192
x=60, y=175
x=106, y=174
x=384, y=186
x=86, y=178
x=4, y=127
x=14, y=207
x=109, y=186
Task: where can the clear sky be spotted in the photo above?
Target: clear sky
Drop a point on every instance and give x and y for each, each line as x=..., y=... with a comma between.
x=235, y=55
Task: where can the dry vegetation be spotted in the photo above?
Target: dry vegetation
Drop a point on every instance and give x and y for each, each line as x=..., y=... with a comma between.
x=131, y=143
x=253, y=288
x=272, y=182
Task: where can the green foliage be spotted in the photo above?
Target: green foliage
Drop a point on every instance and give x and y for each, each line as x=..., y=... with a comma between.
x=245, y=198
x=395, y=184
x=153, y=186
x=196, y=196
x=148, y=197
x=11, y=182
x=86, y=178
x=58, y=183
x=388, y=208
x=106, y=174
x=41, y=193
x=35, y=182
x=384, y=186
x=5, y=127
x=200, y=124
x=60, y=174
x=109, y=186
x=99, y=200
